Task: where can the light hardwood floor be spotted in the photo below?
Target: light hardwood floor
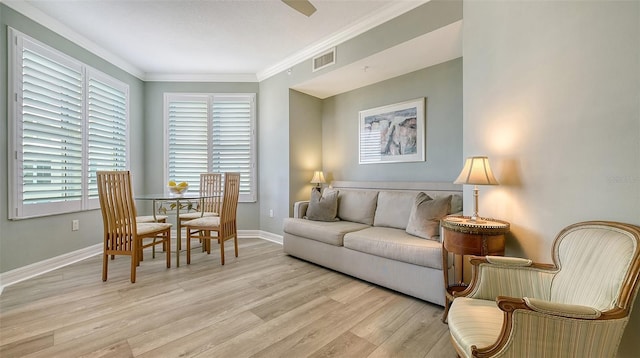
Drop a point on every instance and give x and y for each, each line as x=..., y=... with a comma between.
x=261, y=304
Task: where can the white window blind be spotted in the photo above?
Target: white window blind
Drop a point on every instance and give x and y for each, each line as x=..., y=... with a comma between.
x=211, y=133
x=188, y=140
x=232, y=138
x=63, y=121
x=107, y=128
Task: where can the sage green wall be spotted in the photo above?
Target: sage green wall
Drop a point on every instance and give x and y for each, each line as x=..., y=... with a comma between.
x=154, y=135
x=442, y=87
x=23, y=242
x=551, y=95
x=283, y=175
x=417, y=22
x=273, y=152
x=305, y=144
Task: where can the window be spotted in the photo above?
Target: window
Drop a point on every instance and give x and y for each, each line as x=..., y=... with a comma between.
x=211, y=133
x=69, y=121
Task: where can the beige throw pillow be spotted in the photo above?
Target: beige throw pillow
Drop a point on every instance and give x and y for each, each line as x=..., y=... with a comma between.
x=424, y=220
x=323, y=206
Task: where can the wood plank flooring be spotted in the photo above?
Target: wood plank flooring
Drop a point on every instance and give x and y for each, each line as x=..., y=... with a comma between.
x=261, y=304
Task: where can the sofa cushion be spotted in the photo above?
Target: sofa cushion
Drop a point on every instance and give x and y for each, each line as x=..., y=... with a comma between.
x=397, y=245
x=323, y=206
x=456, y=204
x=424, y=220
x=357, y=205
x=393, y=209
x=324, y=231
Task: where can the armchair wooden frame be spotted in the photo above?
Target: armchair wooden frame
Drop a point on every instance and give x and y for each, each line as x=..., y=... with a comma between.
x=570, y=314
x=123, y=235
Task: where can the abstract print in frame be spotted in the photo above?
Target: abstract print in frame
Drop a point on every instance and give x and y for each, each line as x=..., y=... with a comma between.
x=393, y=133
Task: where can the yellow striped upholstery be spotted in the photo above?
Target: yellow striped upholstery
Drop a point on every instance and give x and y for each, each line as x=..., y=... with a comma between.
x=516, y=281
x=578, y=307
x=474, y=322
x=588, y=275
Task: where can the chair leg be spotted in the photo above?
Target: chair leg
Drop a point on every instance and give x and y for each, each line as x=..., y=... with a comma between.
x=188, y=246
x=134, y=265
x=221, y=250
x=167, y=242
x=105, y=266
x=208, y=234
x=235, y=243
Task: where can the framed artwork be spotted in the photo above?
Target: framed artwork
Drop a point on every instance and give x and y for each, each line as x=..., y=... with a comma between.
x=393, y=133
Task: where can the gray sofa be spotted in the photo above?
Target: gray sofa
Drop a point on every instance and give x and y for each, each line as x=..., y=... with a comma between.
x=370, y=240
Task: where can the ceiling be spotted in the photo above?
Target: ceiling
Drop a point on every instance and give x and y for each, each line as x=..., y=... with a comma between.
x=211, y=40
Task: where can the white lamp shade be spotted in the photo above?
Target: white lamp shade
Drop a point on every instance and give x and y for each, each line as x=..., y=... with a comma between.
x=318, y=177
x=476, y=171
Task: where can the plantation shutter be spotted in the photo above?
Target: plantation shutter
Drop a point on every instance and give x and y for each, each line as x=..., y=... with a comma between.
x=107, y=129
x=232, y=139
x=51, y=131
x=188, y=143
x=67, y=121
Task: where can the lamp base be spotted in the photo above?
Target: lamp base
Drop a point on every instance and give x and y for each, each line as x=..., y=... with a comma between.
x=476, y=219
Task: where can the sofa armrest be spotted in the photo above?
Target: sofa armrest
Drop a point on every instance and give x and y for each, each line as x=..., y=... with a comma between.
x=300, y=209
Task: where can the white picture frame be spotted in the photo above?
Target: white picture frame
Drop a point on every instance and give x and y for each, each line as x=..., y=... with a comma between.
x=392, y=134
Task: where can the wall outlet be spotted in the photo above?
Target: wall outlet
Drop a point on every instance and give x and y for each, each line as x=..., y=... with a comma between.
x=75, y=225
x=270, y=213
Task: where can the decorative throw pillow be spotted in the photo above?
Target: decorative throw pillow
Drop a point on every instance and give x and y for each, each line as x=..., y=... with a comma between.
x=424, y=220
x=323, y=206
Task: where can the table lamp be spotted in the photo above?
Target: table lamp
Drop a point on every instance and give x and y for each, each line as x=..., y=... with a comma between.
x=476, y=171
x=318, y=179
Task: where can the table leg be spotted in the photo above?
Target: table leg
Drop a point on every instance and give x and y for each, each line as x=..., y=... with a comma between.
x=445, y=271
x=178, y=234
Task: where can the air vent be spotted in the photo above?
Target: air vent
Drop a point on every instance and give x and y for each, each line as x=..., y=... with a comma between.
x=324, y=60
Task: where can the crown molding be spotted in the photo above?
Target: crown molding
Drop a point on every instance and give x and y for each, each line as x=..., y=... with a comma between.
x=395, y=9
x=201, y=77
x=56, y=26
x=392, y=11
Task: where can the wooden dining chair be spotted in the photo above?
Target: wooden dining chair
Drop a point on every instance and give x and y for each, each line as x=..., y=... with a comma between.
x=123, y=235
x=211, y=190
x=151, y=219
x=224, y=226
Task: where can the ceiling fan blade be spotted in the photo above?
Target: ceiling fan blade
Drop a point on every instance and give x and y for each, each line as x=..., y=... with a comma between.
x=302, y=6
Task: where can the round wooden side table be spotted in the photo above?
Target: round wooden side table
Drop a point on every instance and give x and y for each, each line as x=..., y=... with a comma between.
x=463, y=236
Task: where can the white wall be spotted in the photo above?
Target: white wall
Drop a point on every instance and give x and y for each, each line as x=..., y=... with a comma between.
x=551, y=95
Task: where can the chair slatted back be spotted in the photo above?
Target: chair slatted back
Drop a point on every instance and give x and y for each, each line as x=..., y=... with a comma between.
x=230, y=203
x=211, y=188
x=118, y=210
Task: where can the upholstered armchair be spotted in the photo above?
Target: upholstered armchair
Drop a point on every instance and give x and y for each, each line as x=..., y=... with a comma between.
x=577, y=307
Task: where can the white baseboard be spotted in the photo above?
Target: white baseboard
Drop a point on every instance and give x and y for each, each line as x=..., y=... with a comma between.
x=26, y=272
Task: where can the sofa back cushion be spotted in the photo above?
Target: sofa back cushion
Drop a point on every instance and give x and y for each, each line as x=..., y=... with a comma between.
x=394, y=208
x=357, y=205
x=323, y=206
x=424, y=220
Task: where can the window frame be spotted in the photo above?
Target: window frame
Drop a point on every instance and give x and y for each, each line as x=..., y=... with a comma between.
x=18, y=210
x=210, y=98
